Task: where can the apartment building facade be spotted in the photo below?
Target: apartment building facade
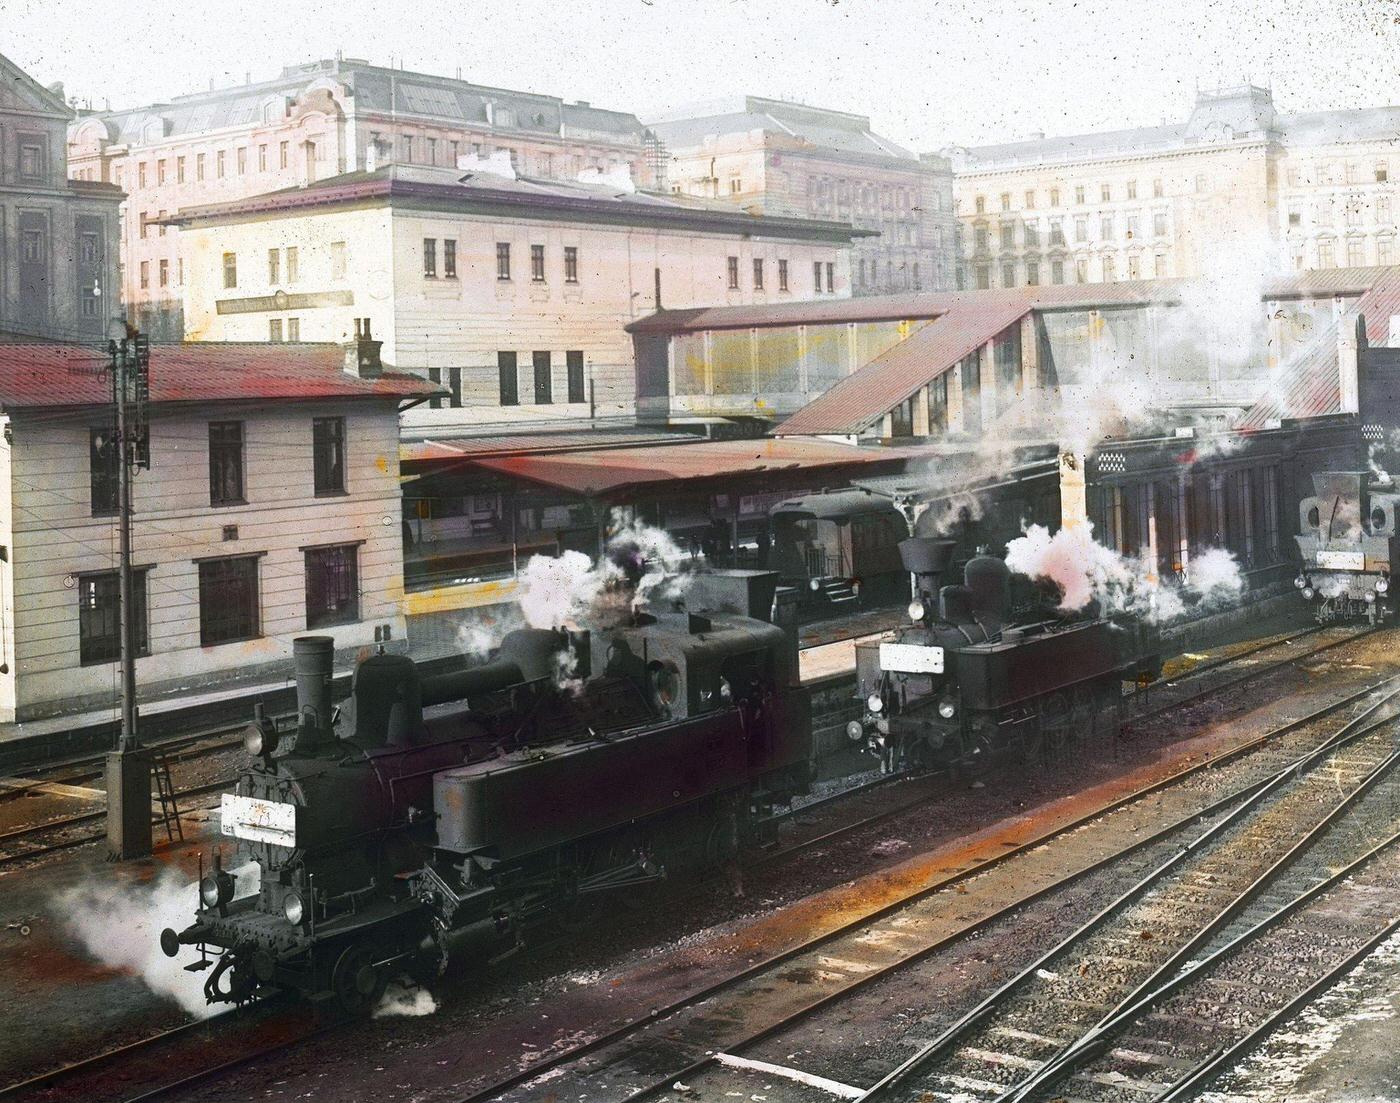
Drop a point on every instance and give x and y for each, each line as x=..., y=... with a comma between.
x=512, y=293
x=1238, y=185
x=799, y=161
x=314, y=121
x=58, y=237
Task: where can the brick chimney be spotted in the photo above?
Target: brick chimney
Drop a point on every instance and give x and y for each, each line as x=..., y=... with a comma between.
x=362, y=354
x=1349, y=340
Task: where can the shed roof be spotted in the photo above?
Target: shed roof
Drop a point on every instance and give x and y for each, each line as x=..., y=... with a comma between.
x=436, y=451
x=50, y=376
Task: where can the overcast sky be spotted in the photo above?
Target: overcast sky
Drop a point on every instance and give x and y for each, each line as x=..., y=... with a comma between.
x=928, y=72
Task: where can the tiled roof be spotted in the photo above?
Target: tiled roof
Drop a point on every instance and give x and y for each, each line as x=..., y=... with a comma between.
x=436, y=450
x=1310, y=386
x=34, y=376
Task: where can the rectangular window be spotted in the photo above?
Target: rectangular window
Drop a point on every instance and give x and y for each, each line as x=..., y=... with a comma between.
x=1106, y=228
x=283, y=154
x=1032, y=274
x=1081, y=271
x=1324, y=254
x=242, y=155
x=1156, y=189
x=1159, y=224
x=328, y=453
x=99, y=616
x=145, y=274
x=1079, y=194
x=406, y=147
x=262, y=158
x=830, y=276
x=984, y=277
x=432, y=150
x=1057, y=271
x=503, y=260
x=164, y=272
x=430, y=257
x=573, y=359
x=449, y=258
x=291, y=264
x=103, y=474
x=1008, y=235
x=228, y=600
x=510, y=378
x=1106, y=193
x=782, y=275
x=732, y=270
x=537, y=264
x=274, y=266
x=199, y=161
x=1385, y=251
x=1054, y=197
x=1006, y=201
x=979, y=238
x=31, y=159
x=337, y=260
x=1132, y=189
x=980, y=203
x=1008, y=275
x=757, y=274
x=1032, y=234
x=293, y=329
x=452, y=150
x=1134, y=267
x=179, y=170
x=219, y=162
x=332, y=586
x=230, y=270
x=145, y=223
x=571, y=264
x=1356, y=252
x=1132, y=226
x=1030, y=200
x=1383, y=209
x=226, y=463
x=544, y=385
x=1057, y=231
x=1110, y=270
x=1081, y=229
x=160, y=223
x=274, y=330
x=141, y=174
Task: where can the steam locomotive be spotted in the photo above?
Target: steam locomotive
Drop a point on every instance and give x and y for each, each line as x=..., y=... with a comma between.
x=966, y=683
x=453, y=813
x=1347, y=538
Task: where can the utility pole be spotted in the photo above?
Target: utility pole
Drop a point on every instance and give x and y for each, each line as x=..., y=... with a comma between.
x=129, y=766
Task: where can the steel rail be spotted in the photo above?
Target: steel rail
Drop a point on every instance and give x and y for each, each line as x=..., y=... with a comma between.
x=706, y=992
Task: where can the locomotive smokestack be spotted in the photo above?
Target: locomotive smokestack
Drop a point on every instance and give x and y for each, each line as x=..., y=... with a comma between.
x=313, y=660
x=926, y=558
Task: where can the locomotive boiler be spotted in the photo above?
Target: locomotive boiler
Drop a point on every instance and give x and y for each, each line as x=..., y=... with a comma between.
x=967, y=683
x=454, y=813
x=1347, y=540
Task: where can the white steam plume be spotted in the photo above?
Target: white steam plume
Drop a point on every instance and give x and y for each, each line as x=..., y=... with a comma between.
x=403, y=999
x=120, y=924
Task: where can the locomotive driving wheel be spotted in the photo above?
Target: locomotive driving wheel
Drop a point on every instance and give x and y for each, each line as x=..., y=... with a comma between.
x=356, y=980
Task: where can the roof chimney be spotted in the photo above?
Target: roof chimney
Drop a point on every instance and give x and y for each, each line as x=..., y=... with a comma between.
x=1347, y=348
x=362, y=354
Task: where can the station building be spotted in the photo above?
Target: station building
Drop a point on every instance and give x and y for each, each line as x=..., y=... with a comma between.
x=270, y=508
x=511, y=291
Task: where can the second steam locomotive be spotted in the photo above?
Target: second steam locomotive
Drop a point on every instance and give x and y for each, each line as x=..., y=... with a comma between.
x=1347, y=539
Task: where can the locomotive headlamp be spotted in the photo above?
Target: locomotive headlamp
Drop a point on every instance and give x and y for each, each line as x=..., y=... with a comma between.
x=216, y=889
x=1370, y=597
x=814, y=584
x=875, y=703
x=947, y=709
x=1308, y=593
x=855, y=731
x=1300, y=581
x=1382, y=585
x=293, y=908
x=260, y=739
x=916, y=610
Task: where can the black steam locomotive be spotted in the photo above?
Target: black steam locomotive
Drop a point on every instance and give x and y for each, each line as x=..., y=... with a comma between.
x=968, y=682
x=1347, y=538
x=452, y=813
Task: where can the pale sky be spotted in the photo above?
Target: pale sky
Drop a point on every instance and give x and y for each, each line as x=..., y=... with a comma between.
x=928, y=72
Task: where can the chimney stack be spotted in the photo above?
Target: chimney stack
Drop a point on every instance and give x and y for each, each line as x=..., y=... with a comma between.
x=362, y=354
x=1074, y=500
x=1348, y=344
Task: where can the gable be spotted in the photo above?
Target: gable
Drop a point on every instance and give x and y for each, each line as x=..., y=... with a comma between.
x=19, y=92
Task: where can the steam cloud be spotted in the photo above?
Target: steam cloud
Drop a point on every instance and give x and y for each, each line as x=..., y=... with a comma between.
x=1086, y=571
x=405, y=1000
x=120, y=924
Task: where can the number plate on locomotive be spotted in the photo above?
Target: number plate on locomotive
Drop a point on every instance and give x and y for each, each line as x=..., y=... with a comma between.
x=911, y=658
x=258, y=821
x=1341, y=560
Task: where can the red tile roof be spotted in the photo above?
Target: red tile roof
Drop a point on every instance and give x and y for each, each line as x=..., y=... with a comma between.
x=34, y=376
x=616, y=472
x=1310, y=386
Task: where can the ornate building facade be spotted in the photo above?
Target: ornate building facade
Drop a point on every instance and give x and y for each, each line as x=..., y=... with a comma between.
x=775, y=157
x=317, y=120
x=1237, y=184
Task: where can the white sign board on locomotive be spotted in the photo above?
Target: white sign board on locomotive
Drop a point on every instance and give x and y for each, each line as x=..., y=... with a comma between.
x=258, y=821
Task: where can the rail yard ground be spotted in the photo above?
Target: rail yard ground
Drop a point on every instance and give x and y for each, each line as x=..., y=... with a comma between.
x=838, y=863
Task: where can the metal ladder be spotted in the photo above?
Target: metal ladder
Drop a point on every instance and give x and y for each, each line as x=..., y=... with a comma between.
x=165, y=792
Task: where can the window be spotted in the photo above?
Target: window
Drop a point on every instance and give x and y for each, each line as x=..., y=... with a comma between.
x=164, y=272
x=1106, y=193
x=328, y=454
x=228, y=600
x=1159, y=224
x=1353, y=211
x=230, y=269
x=1057, y=231
x=1382, y=173
x=179, y=170
x=571, y=264
x=830, y=276
x=1201, y=183
x=1383, y=209
x=242, y=155
x=1134, y=266
x=1006, y=201
x=1110, y=269
x=31, y=158
x=1079, y=194
x=406, y=147
x=1106, y=228
x=274, y=330
x=160, y=223
x=573, y=359
x=452, y=148
x=145, y=274
x=1054, y=197
x=454, y=386
x=199, y=159
x=1032, y=274
x=99, y=616
x=510, y=378
x=1156, y=189
x=293, y=329
x=757, y=274
x=145, y=222
x=1032, y=234
x=979, y=238
x=1081, y=228
x=1008, y=235
x=262, y=158
x=733, y=270
x=1385, y=250
x=1132, y=189
x=1159, y=266
x=1008, y=275
x=544, y=384
x=332, y=586
x=141, y=174
x=782, y=275
x=537, y=264
x=291, y=264
x=226, y=462
x=283, y=154
x=984, y=277
x=1324, y=253
x=981, y=204
x=337, y=260
x=1356, y=252
x=431, y=143
x=503, y=260
x=1057, y=271
x=219, y=162
x=1081, y=271
x=449, y=258
x=1030, y=200
x=430, y=257
x=274, y=266
x=103, y=474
